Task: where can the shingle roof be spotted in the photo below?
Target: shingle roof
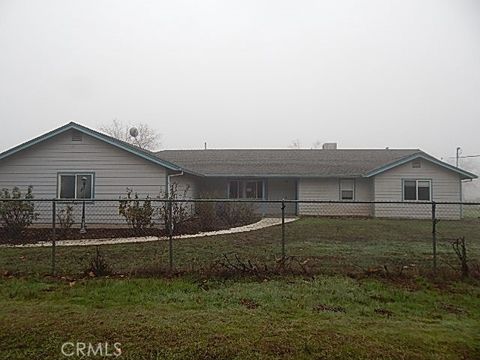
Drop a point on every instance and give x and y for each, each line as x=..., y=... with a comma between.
x=285, y=162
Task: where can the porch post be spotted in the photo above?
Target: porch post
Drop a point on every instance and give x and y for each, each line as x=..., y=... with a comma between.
x=264, y=196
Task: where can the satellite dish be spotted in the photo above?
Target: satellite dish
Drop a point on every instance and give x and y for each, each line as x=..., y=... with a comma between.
x=133, y=132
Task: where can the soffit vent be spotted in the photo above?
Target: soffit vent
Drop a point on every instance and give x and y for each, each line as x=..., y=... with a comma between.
x=76, y=135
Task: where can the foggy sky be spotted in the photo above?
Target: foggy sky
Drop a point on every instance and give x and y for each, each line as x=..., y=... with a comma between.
x=240, y=74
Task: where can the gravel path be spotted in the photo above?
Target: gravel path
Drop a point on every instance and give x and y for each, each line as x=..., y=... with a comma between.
x=264, y=223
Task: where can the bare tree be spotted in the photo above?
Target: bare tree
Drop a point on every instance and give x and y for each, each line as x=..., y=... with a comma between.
x=147, y=138
x=295, y=144
x=317, y=145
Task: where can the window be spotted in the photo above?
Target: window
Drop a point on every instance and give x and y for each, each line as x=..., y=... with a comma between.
x=416, y=190
x=347, y=189
x=75, y=186
x=250, y=189
x=254, y=189
x=234, y=190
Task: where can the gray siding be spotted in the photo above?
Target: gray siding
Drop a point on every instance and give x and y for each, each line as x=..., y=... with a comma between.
x=446, y=186
x=187, y=188
x=114, y=170
x=278, y=189
x=328, y=189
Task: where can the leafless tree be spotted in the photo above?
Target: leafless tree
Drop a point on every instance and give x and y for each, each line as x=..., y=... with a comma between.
x=317, y=145
x=295, y=144
x=148, y=138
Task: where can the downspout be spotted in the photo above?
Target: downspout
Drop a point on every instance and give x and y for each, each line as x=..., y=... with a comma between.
x=169, y=181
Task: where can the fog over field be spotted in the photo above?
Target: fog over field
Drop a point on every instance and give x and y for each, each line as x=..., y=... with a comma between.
x=249, y=74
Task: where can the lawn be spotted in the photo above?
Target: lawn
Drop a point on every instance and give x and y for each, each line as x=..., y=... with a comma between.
x=327, y=317
x=322, y=245
x=365, y=290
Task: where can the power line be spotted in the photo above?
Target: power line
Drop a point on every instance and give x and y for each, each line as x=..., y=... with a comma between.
x=463, y=157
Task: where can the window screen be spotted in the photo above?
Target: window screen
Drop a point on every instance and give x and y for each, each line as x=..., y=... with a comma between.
x=417, y=190
x=410, y=190
x=75, y=186
x=84, y=192
x=253, y=189
x=423, y=190
x=347, y=189
x=250, y=189
x=67, y=186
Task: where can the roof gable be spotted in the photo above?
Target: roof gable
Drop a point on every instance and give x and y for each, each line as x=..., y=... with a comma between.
x=421, y=155
x=147, y=155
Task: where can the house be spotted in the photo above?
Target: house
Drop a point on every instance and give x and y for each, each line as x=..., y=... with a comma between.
x=57, y=163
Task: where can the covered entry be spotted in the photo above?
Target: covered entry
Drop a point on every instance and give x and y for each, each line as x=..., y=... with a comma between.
x=278, y=189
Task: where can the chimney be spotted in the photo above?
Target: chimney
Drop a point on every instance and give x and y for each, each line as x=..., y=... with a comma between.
x=329, y=146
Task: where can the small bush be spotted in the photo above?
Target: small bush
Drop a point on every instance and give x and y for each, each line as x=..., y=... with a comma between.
x=223, y=215
x=180, y=214
x=98, y=265
x=17, y=212
x=236, y=214
x=206, y=214
x=138, y=214
x=65, y=218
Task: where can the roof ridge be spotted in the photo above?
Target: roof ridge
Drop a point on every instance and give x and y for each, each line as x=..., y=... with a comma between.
x=285, y=149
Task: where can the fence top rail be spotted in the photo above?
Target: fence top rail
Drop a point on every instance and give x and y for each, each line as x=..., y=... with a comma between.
x=254, y=201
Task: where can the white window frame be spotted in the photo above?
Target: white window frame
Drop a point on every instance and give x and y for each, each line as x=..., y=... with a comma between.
x=430, y=193
x=242, y=188
x=76, y=175
x=341, y=188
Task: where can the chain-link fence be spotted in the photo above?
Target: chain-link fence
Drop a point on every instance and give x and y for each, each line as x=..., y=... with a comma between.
x=150, y=236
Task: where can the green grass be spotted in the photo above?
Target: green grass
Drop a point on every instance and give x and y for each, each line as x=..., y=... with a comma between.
x=326, y=314
x=329, y=246
x=279, y=318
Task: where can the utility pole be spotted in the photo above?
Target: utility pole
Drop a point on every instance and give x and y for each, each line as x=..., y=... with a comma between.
x=457, y=156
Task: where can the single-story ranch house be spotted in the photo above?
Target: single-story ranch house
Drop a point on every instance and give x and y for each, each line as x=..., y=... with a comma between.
x=55, y=163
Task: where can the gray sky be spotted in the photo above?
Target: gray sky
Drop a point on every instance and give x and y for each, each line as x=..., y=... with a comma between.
x=376, y=73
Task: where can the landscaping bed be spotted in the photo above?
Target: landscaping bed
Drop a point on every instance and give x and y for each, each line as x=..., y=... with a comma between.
x=193, y=225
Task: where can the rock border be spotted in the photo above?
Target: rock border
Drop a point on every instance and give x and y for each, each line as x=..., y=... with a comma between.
x=263, y=223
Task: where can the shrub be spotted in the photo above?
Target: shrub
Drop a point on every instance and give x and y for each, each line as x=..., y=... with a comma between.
x=236, y=214
x=206, y=214
x=137, y=213
x=65, y=218
x=221, y=215
x=18, y=212
x=180, y=212
x=98, y=265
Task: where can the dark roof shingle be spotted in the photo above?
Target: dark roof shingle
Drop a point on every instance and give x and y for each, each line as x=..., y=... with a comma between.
x=284, y=162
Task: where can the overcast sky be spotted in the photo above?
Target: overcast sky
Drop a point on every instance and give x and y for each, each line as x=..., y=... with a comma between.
x=258, y=74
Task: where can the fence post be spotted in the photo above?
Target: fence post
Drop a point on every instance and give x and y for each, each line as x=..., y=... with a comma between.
x=54, y=234
x=283, y=229
x=170, y=234
x=434, y=236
